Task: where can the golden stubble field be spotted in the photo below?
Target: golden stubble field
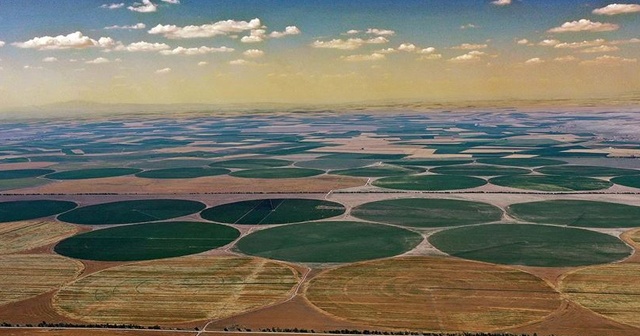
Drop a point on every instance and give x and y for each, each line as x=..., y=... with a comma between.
x=24, y=236
x=433, y=293
x=176, y=290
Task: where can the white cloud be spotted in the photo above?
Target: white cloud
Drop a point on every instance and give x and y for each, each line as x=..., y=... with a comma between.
x=131, y=27
x=616, y=9
x=240, y=62
x=113, y=5
x=467, y=46
x=380, y=32
x=565, y=59
x=364, y=58
x=629, y=41
x=30, y=67
x=163, y=71
x=501, y=2
x=353, y=32
x=584, y=25
x=253, y=53
x=608, y=60
x=2, y=44
x=534, y=61
x=386, y=51
x=72, y=41
x=142, y=46
x=196, y=51
x=145, y=7
x=348, y=44
x=49, y=59
x=430, y=57
x=290, y=30
x=407, y=47
x=203, y=63
x=471, y=56
x=256, y=35
x=548, y=43
x=174, y=2
x=428, y=50
x=600, y=49
x=523, y=42
x=99, y=60
x=578, y=45
x=207, y=30
x=468, y=26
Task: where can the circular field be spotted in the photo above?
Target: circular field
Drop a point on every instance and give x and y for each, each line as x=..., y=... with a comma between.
x=586, y=170
x=551, y=183
x=22, y=183
x=627, y=181
x=329, y=242
x=27, y=275
x=378, y=171
x=277, y=173
x=128, y=212
x=27, y=235
x=334, y=163
x=23, y=173
x=429, y=182
x=157, y=292
x=251, y=163
x=428, y=163
x=521, y=162
x=609, y=290
x=182, y=173
x=420, y=212
x=273, y=211
x=147, y=241
x=83, y=174
x=578, y=213
x=479, y=170
x=13, y=211
x=431, y=293
x=530, y=245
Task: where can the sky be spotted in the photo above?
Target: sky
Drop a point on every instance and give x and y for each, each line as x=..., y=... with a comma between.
x=315, y=51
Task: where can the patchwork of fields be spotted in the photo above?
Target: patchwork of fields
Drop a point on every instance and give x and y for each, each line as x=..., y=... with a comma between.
x=494, y=222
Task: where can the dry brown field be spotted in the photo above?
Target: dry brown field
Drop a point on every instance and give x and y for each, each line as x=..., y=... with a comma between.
x=28, y=235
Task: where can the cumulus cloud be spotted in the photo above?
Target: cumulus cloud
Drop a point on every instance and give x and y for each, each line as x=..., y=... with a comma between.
x=353, y=32
x=584, y=25
x=522, y=42
x=174, y=2
x=99, y=60
x=142, y=46
x=364, y=58
x=30, y=67
x=565, y=59
x=131, y=27
x=616, y=9
x=534, y=61
x=548, y=43
x=468, y=26
x=629, y=41
x=582, y=44
x=468, y=46
x=113, y=5
x=430, y=57
x=289, y=30
x=163, y=71
x=145, y=7
x=49, y=59
x=407, y=47
x=253, y=53
x=386, y=51
x=240, y=62
x=207, y=30
x=380, y=32
x=256, y=35
x=501, y=2
x=471, y=56
x=72, y=41
x=600, y=49
x=428, y=50
x=348, y=44
x=196, y=51
x=2, y=44
x=608, y=60
x=203, y=63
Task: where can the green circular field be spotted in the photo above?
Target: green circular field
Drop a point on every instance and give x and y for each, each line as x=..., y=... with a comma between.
x=378, y=171
x=251, y=163
x=329, y=242
x=578, y=213
x=428, y=163
x=23, y=183
x=627, y=181
x=277, y=173
x=334, y=163
x=573, y=170
x=551, y=183
x=421, y=212
x=532, y=162
x=128, y=212
x=530, y=245
x=273, y=211
x=91, y=173
x=23, y=173
x=23, y=210
x=182, y=173
x=147, y=241
x=429, y=182
x=479, y=170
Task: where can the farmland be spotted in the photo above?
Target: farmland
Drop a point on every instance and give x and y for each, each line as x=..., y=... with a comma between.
x=494, y=222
